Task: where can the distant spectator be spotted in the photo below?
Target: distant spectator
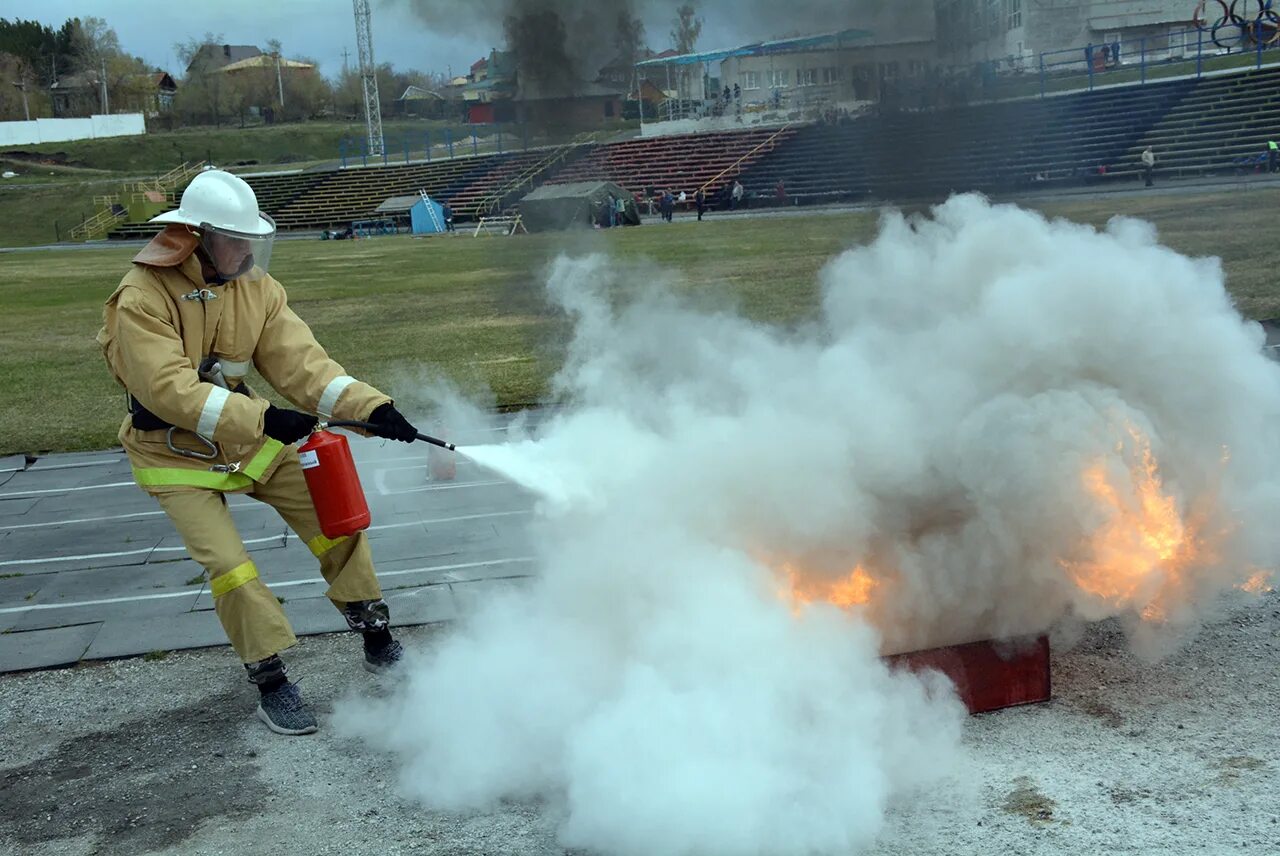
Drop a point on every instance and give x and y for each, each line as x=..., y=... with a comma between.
x=682, y=198
x=1148, y=165
x=1273, y=155
x=780, y=193
x=737, y=92
x=668, y=205
x=446, y=211
x=648, y=196
x=735, y=195
x=727, y=95
x=620, y=211
x=700, y=200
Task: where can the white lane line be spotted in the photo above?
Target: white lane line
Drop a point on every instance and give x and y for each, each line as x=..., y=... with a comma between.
x=515, y=560
x=458, y=486
x=25, y=493
x=234, y=505
x=282, y=537
x=51, y=523
x=51, y=559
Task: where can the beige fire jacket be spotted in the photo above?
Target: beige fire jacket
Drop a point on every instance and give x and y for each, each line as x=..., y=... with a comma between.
x=158, y=328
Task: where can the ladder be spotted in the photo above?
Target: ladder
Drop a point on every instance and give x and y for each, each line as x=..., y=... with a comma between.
x=431, y=210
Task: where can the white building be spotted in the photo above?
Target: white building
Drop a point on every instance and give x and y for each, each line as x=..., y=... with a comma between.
x=1016, y=32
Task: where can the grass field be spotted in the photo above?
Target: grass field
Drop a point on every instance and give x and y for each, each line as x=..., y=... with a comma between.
x=396, y=310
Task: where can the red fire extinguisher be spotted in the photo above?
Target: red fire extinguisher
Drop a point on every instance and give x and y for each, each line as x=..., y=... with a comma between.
x=334, y=484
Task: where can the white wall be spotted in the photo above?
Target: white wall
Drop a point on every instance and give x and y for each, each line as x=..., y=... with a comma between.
x=63, y=130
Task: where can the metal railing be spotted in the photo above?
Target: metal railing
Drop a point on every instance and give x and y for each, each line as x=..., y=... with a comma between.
x=493, y=201
x=738, y=163
x=98, y=225
x=1190, y=53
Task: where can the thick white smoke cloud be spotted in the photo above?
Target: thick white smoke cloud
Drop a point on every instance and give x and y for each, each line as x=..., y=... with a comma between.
x=936, y=428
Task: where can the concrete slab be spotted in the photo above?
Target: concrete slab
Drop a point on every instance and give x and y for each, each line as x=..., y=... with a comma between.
x=142, y=611
x=71, y=460
x=13, y=463
x=10, y=508
x=39, y=649
x=128, y=637
x=422, y=605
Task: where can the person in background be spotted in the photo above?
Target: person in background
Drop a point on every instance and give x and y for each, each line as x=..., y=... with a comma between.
x=1148, y=165
x=1273, y=155
x=447, y=211
x=700, y=201
x=781, y=193
x=735, y=195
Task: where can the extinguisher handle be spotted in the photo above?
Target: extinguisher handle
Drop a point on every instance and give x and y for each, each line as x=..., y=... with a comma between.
x=369, y=426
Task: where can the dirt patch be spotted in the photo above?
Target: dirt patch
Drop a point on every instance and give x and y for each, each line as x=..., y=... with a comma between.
x=140, y=787
x=1102, y=711
x=1233, y=769
x=1027, y=800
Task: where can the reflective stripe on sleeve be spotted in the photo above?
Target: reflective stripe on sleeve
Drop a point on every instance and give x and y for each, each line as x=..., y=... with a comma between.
x=332, y=392
x=184, y=477
x=212, y=411
x=233, y=579
x=320, y=545
x=234, y=369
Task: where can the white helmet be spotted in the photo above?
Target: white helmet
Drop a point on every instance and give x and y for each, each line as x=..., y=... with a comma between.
x=236, y=236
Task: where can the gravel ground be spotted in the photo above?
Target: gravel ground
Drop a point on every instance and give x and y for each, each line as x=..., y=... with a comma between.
x=138, y=756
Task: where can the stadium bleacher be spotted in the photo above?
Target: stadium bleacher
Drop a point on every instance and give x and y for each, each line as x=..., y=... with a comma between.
x=990, y=147
x=678, y=163
x=1218, y=124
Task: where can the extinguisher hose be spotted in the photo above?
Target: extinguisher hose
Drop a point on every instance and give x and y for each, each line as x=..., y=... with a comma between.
x=370, y=427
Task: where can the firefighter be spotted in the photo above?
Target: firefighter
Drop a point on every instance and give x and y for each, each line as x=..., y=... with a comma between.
x=196, y=311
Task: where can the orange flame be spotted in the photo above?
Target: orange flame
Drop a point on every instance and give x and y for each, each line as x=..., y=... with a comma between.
x=1259, y=583
x=1144, y=545
x=845, y=592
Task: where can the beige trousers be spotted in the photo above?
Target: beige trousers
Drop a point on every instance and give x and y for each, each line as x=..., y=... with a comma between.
x=250, y=614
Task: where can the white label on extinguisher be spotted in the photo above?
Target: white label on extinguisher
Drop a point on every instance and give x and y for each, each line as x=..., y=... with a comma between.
x=309, y=460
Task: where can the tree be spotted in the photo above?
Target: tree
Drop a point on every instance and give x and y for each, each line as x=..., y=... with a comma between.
x=93, y=42
x=688, y=27
x=203, y=95
x=628, y=38
x=684, y=38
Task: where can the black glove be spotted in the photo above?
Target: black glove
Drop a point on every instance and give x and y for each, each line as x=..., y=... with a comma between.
x=287, y=426
x=391, y=424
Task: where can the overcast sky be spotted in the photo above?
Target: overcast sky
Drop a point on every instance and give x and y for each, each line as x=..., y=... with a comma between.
x=320, y=29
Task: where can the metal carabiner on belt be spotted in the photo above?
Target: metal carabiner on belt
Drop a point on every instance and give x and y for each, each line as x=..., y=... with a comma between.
x=190, y=453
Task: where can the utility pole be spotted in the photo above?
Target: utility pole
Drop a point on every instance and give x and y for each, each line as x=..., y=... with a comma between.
x=106, y=105
x=345, y=54
x=368, y=76
x=279, y=79
x=22, y=87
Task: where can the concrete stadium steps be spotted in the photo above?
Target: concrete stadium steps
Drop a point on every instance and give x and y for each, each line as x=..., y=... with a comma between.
x=354, y=194
x=275, y=191
x=466, y=201
x=678, y=163
x=1221, y=120
x=984, y=147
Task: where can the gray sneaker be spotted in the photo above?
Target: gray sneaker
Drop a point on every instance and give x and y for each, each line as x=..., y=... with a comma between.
x=384, y=660
x=284, y=711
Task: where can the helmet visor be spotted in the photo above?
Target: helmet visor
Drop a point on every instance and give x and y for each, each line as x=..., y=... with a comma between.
x=235, y=254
